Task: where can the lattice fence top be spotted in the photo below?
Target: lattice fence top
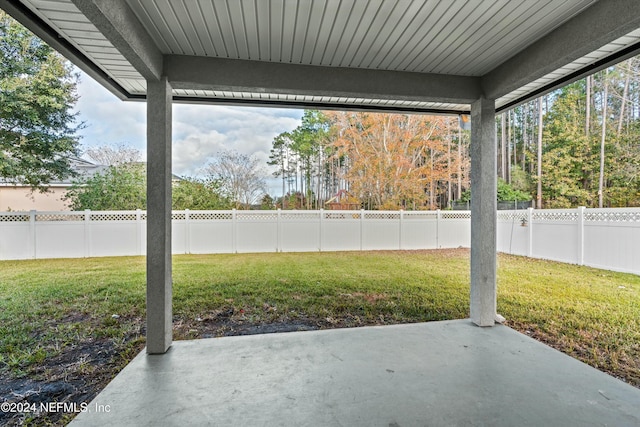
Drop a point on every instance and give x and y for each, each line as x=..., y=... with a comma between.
x=420, y=215
x=555, y=215
x=113, y=216
x=210, y=216
x=342, y=215
x=512, y=215
x=612, y=216
x=456, y=215
x=257, y=215
x=14, y=217
x=382, y=215
x=300, y=215
x=49, y=216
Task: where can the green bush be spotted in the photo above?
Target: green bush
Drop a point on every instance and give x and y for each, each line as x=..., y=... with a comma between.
x=506, y=193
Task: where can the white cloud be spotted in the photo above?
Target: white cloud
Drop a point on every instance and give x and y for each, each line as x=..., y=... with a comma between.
x=107, y=119
x=194, y=151
x=199, y=131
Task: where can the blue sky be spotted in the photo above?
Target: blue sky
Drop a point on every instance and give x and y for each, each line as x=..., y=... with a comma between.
x=199, y=131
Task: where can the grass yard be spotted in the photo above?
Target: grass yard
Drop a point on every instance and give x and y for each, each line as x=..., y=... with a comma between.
x=68, y=326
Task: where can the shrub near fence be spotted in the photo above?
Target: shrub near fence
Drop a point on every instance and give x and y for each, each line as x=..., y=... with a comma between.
x=31, y=235
x=601, y=238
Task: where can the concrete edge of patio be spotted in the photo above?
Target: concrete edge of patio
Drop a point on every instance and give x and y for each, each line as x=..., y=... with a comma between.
x=437, y=373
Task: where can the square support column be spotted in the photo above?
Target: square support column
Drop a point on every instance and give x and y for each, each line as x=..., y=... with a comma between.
x=483, y=212
x=159, y=282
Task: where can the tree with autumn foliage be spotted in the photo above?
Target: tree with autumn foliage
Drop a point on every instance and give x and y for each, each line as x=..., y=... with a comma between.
x=394, y=161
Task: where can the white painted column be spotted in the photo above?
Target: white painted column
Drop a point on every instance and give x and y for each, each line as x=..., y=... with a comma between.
x=159, y=284
x=483, y=212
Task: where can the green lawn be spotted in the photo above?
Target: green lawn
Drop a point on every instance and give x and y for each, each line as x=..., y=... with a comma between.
x=83, y=319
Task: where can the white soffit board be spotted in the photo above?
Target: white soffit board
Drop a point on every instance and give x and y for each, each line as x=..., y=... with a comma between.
x=70, y=23
x=603, y=52
x=321, y=101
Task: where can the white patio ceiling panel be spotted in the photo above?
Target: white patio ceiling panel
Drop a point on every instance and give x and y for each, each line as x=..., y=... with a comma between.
x=402, y=35
x=615, y=46
x=65, y=17
x=457, y=37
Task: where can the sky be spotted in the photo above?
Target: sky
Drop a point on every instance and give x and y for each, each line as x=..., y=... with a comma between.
x=200, y=132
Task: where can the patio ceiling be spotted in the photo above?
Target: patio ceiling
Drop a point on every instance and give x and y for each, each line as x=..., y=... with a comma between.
x=390, y=55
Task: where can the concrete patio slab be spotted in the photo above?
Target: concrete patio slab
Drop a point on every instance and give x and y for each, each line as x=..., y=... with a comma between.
x=449, y=373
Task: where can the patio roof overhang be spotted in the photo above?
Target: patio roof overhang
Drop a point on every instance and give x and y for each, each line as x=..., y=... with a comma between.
x=442, y=56
x=389, y=55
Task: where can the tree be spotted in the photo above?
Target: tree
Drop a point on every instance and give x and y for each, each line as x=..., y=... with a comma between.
x=568, y=157
x=505, y=193
x=37, y=94
x=280, y=156
x=196, y=194
x=539, y=155
x=307, y=143
x=267, y=203
x=240, y=177
x=394, y=160
x=113, y=155
x=302, y=157
x=603, y=140
x=122, y=187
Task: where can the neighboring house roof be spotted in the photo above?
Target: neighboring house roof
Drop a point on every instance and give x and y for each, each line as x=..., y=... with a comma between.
x=84, y=169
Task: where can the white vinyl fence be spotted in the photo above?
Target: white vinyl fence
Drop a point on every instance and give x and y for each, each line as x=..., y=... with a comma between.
x=32, y=235
x=602, y=238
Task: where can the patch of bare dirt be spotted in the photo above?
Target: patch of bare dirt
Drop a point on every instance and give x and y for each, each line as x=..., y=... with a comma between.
x=231, y=322
x=75, y=376
x=82, y=369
